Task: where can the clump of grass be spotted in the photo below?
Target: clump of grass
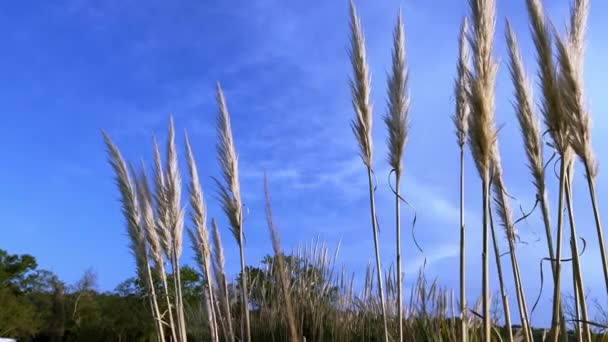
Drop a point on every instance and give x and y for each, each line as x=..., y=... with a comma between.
x=132, y=214
x=302, y=295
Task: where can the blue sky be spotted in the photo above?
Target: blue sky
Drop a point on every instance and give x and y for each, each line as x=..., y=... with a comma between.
x=70, y=68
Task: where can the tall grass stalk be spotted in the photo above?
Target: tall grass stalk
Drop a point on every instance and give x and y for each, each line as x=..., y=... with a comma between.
x=175, y=224
x=230, y=197
x=164, y=235
x=220, y=277
x=144, y=196
x=558, y=129
x=571, y=57
x=460, y=119
x=501, y=282
x=580, y=300
x=482, y=132
x=396, y=121
x=362, y=128
x=504, y=212
x=276, y=246
x=200, y=237
x=555, y=320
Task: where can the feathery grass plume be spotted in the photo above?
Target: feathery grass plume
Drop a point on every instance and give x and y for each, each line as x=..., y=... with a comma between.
x=160, y=196
x=362, y=128
x=482, y=132
x=461, y=116
x=220, y=278
x=173, y=191
x=276, y=246
x=528, y=121
x=360, y=89
x=460, y=119
x=175, y=222
x=153, y=239
x=131, y=212
x=144, y=196
x=200, y=236
x=570, y=56
x=551, y=106
x=396, y=121
x=396, y=118
x=230, y=196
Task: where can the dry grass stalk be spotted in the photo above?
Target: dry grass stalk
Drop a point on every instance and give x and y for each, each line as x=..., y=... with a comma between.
x=580, y=301
x=164, y=232
x=558, y=128
x=460, y=119
x=276, y=246
x=220, y=277
x=501, y=282
x=396, y=121
x=161, y=200
x=551, y=104
x=200, y=236
x=131, y=212
x=174, y=223
x=530, y=131
x=155, y=248
x=230, y=196
x=570, y=57
x=504, y=211
x=482, y=132
x=362, y=128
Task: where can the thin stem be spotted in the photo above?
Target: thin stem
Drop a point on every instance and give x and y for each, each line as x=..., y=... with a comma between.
x=463, y=301
x=503, y=294
x=555, y=321
x=523, y=307
x=178, y=316
x=244, y=296
x=577, y=313
x=225, y=299
x=576, y=266
x=213, y=321
x=180, y=301
x=158, y=326
x=169, y=305
x=487, y=325
x=547, y=222
x=544, y=205
x=398, y=249
x=377, y=250
x=598, y=223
